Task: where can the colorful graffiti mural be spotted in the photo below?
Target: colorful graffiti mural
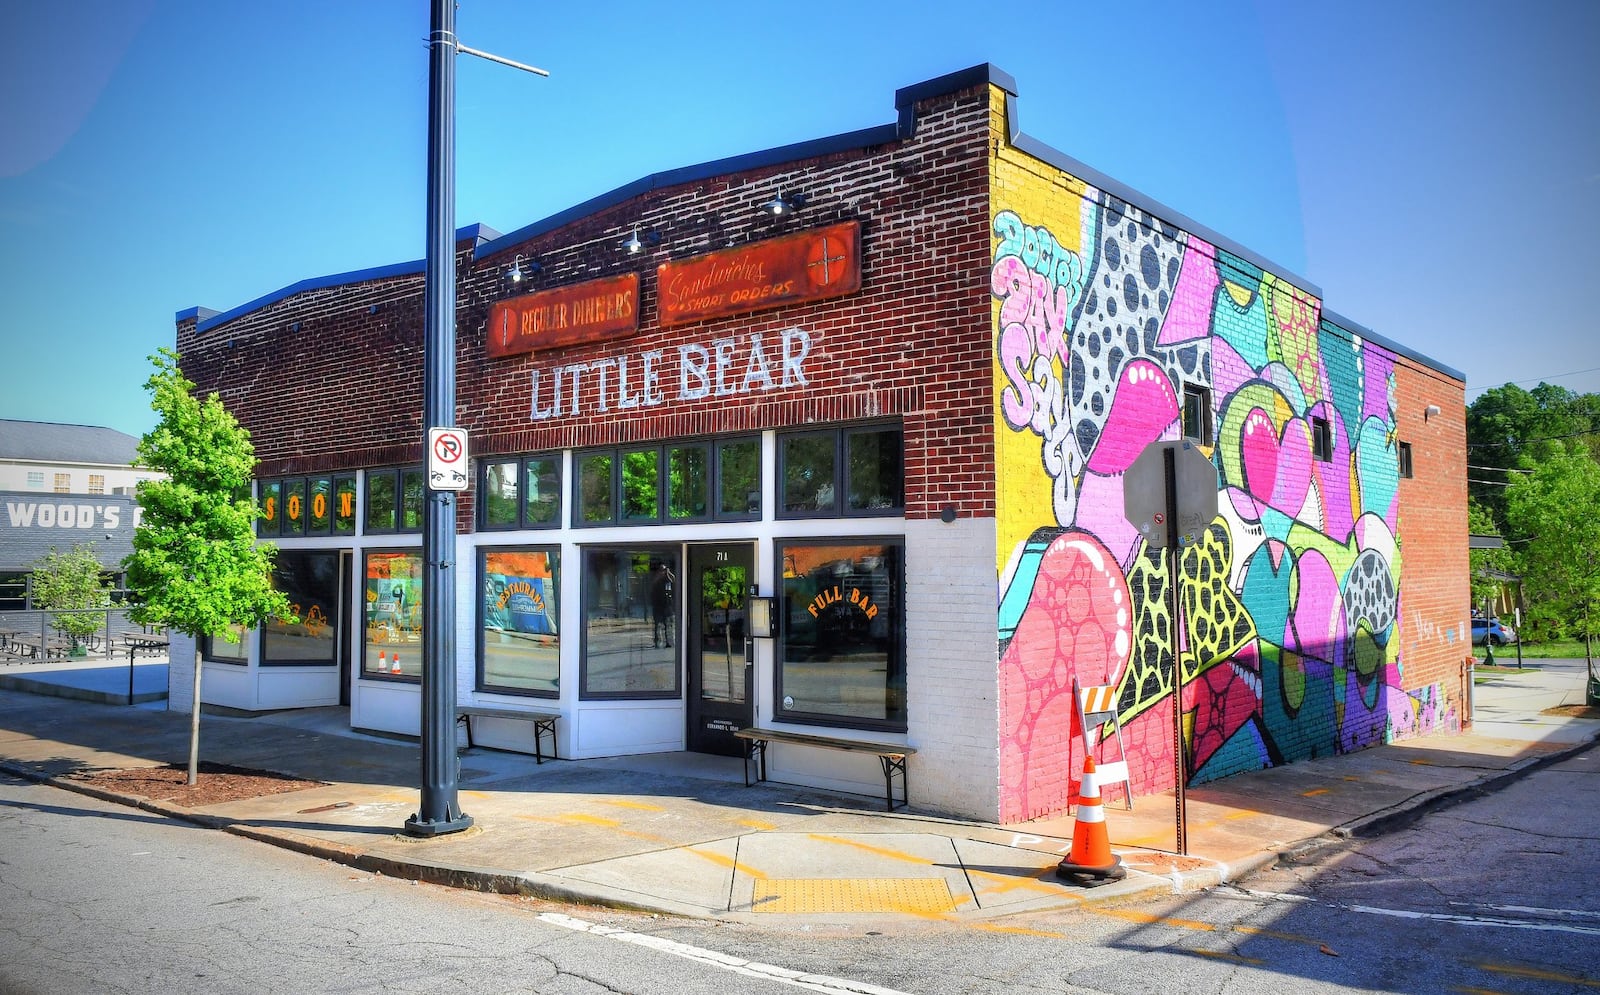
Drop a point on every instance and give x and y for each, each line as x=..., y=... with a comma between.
x=1291, y=601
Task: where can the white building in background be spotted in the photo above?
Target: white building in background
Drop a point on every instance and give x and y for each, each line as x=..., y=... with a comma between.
x=67, y=459
x=62, y=486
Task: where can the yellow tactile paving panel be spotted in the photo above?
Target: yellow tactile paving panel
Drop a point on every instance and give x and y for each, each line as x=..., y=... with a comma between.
x=852, y=895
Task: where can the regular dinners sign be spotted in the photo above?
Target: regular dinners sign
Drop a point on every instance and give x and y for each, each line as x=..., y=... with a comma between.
x=592, y=311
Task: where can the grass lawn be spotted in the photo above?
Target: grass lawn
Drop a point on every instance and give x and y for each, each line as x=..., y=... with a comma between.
x=1565, y=649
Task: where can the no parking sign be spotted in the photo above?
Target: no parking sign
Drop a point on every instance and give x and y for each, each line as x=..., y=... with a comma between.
x=447, y=459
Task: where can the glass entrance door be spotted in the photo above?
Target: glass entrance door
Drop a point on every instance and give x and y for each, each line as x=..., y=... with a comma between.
x=718, y=647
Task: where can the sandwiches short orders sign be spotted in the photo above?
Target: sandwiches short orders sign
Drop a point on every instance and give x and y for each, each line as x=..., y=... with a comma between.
x=591, y=311
x=806, y=266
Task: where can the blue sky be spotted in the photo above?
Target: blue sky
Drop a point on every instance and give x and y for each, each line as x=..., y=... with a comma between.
x=1433, y=167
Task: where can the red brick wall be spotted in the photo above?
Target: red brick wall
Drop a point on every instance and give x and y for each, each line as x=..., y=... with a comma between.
x=1435, y=587
x=345, y=389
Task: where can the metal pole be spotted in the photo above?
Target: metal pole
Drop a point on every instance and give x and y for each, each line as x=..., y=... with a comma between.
x=1175, y=604
x=439, y=812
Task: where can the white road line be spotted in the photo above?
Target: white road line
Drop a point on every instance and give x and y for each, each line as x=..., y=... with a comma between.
x=1459, y=920
x=737, y=965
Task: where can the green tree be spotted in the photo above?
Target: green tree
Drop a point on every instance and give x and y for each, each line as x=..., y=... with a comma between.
x=1509, y=428
x=1487, y=564
x=196, y=567
x=72, y=583
x=1555, y=505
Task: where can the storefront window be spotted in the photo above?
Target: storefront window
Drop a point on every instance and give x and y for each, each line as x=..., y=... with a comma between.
x=413, y=494
x=808, y=474
x=344, y=505
x=392, y=640
x=688, y=482
x=841, y=652
x=519, y=648
x=310, y=580
x=630, y=623
x=217, y=649
x=499, y=485
x=873, y=466
x=641, y=485
x=595, y=492
x=319, y=499
x=541, y=503
x=294, y=507
x=380, y=501
x=739, y=479
x=271, y=508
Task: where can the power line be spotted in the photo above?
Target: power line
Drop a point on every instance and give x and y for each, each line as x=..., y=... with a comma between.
x=1556, y=376
x=1529, y=442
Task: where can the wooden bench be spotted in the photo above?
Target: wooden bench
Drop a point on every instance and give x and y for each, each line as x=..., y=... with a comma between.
x=892, y=757
x=543, y=719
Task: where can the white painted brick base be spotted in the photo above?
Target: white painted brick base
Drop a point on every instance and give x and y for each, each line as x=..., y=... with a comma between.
x=953, y=667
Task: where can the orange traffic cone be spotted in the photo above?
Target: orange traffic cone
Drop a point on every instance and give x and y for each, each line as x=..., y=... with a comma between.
x=383, y=661
x=1091, y=862
x=394, y=663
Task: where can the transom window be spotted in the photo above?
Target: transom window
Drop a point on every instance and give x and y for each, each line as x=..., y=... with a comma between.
x=395, y=500
x=302, y=506
x=694, y=481
x=841, y=472
x=520, y=492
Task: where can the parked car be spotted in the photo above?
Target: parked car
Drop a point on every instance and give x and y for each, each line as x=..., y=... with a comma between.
x=1491, y=631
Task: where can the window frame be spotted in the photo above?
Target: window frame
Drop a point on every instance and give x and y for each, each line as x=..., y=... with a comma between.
x=246, y=635
x=360, y=667
x=713, y=447
x=897, y=643
x=261, y=633
x=1200, y=397
x=1404, y=460
x=522, y=521
x=397, y=475
x=1321, y=439
x=673, y=553
x=840, y=481
x=480, y=682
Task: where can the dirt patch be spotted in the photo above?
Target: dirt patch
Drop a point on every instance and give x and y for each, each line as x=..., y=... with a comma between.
x=216, y=783
x=1574, y=711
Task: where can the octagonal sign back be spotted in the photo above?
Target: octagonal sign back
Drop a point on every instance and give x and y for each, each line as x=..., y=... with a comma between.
x=1144, y=493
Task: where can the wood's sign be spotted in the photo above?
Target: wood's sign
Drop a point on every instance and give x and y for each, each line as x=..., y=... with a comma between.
x=806, y=266
x=592, y=311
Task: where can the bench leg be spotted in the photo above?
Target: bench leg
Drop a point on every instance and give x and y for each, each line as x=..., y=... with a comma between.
x=466, y=720
x=755, y=749
x=540, y=727
x=891, y=767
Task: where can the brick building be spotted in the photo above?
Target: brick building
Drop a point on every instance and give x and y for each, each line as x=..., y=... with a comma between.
x=891, y=379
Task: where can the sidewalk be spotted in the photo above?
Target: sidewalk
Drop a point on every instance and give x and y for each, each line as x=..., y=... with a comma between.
x=680, y=834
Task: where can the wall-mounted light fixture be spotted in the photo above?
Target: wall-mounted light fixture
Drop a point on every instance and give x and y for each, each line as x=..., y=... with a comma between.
x=373, y=308
x=1429, y=411
x=518, y=273
x=784, y=203
x=635, y=243
x=947, y=514
x=294, y=326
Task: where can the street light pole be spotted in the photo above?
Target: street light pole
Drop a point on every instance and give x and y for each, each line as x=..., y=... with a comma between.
x=440, y=811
